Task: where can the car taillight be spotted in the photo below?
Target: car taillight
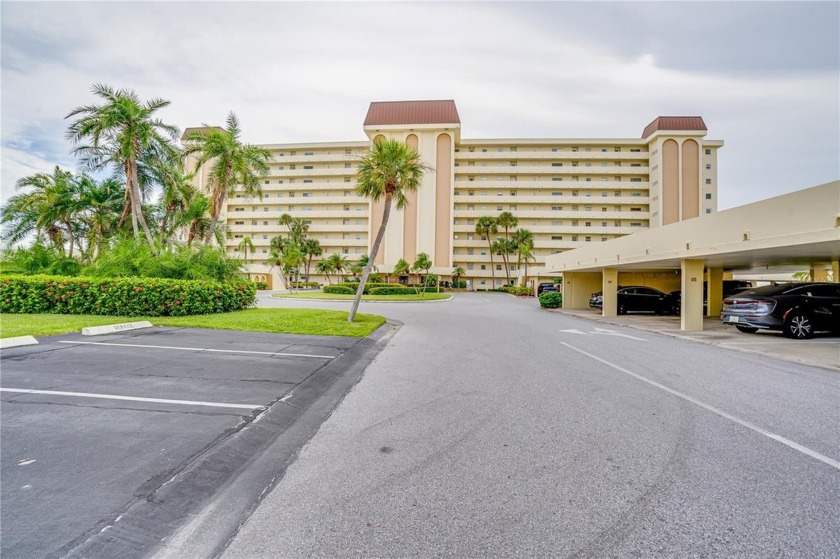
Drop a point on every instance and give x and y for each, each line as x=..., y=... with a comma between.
x=765, y=306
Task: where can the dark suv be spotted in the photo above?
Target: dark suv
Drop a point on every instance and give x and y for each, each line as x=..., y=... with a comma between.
x=543, y=287
x=796, y=309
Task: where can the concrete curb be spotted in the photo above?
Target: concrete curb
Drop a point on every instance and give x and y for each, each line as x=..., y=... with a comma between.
x=6, y=343
x=363, y=301
x=114, y=328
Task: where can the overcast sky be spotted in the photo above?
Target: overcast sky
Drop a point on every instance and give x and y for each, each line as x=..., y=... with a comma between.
x=764, y=76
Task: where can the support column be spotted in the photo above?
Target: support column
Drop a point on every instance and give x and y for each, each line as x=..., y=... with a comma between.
x=691, y=314
x=578, y=287
x=714, y=291
x=819, y=274
x=835, y=270
x=609, y=289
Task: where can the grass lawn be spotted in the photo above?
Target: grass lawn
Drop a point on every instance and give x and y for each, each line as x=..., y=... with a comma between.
x=281, y=321
x=342, y=297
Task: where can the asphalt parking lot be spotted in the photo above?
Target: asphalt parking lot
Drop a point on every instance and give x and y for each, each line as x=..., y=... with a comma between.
x=112, y=444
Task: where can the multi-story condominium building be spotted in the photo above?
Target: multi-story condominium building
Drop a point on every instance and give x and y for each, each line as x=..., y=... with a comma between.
x=567, y=192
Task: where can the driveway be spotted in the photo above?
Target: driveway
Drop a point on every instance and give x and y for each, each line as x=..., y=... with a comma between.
x=488, y=427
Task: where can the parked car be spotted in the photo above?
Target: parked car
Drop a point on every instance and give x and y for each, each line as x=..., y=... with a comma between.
x=730, y=287
x=543, y=287
x=634, y=298
x=798, y=310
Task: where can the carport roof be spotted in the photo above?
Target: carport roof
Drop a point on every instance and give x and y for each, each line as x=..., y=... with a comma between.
x=801, y=228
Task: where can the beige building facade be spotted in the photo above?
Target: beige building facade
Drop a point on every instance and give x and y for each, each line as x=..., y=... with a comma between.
x=569, y=193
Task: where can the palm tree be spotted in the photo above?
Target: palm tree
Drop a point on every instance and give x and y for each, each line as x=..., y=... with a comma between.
x=402, y=268
x=232, y=164
x=325, y=268
x=362, y=263
x=508, y=221
x=339, y=264
x=390, y=171
x=486, y=227
x=297, y=228
x=49, y=206
x=292, y=260
x=457, y=273
x=311, y=248
x=523, y=241
x=244, y=245
x=423, y=263
x=100, y=210
x=195, y=217
x=276, y=260
x=123, y=132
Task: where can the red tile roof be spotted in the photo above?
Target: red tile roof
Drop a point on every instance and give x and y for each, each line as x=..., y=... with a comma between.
x=674, y=123
x=384, y=113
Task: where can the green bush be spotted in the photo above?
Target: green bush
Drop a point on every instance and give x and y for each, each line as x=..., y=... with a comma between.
x=261, y=285
x=368, y=286
x=391, y=291
x=122, y=296
x=339, y=290
x=551, y=299
x=304, y=285
x=460, y=284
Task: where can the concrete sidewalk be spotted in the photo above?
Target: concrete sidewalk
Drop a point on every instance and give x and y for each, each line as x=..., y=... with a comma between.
x=821, y=351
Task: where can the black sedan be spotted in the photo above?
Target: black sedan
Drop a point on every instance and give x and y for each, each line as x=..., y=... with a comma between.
x=635, y=298
x=543, y=287
x=798, y=310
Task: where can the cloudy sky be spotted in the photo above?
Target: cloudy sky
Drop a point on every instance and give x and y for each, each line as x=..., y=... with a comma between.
x=764, y=76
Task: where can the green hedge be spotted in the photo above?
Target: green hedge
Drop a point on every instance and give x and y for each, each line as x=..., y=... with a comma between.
x=261, y=284
x=122, y=296
x=392, y=291
x=368, y=286
x=304, y=285
x=339, y=289
x=551, y=299
x=518, y=290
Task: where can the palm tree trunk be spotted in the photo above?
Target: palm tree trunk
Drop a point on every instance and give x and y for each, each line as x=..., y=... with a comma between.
x=137, y=205
x=492, y=265
x=70, y=237
x=386, y=213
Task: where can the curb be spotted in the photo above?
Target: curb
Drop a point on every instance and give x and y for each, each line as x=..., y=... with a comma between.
x=114, y=328
x=6, y=343
x=363, y=301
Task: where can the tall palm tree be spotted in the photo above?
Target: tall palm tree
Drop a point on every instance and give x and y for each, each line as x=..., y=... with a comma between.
x=486, y=226
x=292, y=260
x=390, y=170
x=245, y=245
x=232, y=164
x=311, y=248
x=508, y=221
x=361, y=264
x=297, y=228
x=523, y=242
x=123, y=132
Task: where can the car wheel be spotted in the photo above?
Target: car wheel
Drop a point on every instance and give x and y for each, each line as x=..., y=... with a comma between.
x=798, y=326
x=746, y=329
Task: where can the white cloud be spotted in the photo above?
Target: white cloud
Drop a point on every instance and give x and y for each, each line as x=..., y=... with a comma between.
x=297, y=72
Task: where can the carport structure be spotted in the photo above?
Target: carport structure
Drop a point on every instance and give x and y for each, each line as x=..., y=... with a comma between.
x=800, y=229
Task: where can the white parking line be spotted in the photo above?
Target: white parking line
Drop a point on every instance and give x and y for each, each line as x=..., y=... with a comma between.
x=202, y=349
x=787, y=442
x=131, y=398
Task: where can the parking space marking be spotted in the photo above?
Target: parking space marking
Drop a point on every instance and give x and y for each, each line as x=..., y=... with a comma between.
x=778, y=438
x=132, y=398
x=280, y=354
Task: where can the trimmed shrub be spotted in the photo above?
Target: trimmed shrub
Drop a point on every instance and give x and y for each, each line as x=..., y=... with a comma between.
x=461, y=284
x=261, y=285
x=368, y=286
x=392, y=291
x=339, y=290
x=304, y=284
x=122, y=296
x=551, y=299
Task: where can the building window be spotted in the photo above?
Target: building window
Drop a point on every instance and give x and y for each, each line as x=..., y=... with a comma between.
x=308, y=153
x=557, y=237
x=469, y=266
x=483, y=267
x=708, y=152
x=307, y=166
x=708, y=196
x=588, y=239
x=574, y=237
x=708, y=166
x=708, y=210
x=708, y=181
